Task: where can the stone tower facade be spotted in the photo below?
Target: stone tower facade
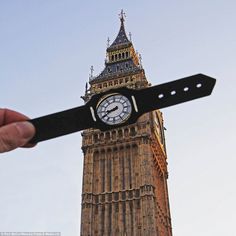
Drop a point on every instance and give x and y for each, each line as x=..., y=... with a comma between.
x=125, y=169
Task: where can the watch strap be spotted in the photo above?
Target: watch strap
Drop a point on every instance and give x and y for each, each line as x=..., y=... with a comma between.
x=174, y=92
x=61, y=123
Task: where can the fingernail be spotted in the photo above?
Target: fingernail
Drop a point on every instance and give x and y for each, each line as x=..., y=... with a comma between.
x=26, y=129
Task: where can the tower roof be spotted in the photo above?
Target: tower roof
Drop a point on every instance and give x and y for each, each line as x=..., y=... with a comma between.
x=121, y=58
x=121, y=39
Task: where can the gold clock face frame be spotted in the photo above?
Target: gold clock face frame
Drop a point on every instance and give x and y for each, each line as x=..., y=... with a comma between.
x=114, y=109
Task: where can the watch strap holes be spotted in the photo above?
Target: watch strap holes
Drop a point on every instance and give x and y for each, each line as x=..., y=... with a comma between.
x=186, y=89
x=160, y=95
x=199, y=85
x=173, y=92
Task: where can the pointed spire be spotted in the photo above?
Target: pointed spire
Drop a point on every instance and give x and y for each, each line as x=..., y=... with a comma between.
x=91, y=73
x=91, y=70
x=108, y=42
x=121, y=38
x=140, y=60
x=130, y=37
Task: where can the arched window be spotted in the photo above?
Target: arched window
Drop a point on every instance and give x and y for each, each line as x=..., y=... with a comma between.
x=102, y=137
x=126, y=132
x=113, y=134
x=132, y=131
x=107, y=135
x=95, y=137
x=120, y=133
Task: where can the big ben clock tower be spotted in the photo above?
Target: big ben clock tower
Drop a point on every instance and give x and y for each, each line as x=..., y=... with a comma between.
x=125, y=169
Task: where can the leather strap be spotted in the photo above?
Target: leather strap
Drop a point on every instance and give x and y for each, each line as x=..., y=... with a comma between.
x=174, y=92
x=61, y=123
x=148, y=99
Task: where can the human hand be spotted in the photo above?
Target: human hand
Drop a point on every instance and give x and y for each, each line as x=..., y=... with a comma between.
x=15, y=131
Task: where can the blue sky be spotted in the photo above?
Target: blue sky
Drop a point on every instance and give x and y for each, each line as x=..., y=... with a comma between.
x=46, y=50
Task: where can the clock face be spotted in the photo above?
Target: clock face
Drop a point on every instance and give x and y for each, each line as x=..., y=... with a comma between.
x=114, y=109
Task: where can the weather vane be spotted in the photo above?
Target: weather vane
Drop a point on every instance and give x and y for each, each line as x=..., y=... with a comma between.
x=122, y=15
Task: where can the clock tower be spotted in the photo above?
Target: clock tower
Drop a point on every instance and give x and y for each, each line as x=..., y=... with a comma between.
x=125, y=169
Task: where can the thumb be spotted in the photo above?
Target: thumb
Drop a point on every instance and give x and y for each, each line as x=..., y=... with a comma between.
x=15, y=135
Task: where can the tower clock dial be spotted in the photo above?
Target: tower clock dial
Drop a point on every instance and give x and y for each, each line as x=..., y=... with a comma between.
x=114, y=109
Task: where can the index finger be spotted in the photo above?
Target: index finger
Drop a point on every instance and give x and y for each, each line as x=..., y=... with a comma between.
x=8, y=116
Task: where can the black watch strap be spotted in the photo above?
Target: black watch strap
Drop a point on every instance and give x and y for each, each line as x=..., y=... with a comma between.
x=145, y=100
x=61, y=123
x=174, y=92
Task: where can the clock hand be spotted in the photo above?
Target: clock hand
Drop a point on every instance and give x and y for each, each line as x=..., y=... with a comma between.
x=104, y=116
x=109, y=111
x=113, y=109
